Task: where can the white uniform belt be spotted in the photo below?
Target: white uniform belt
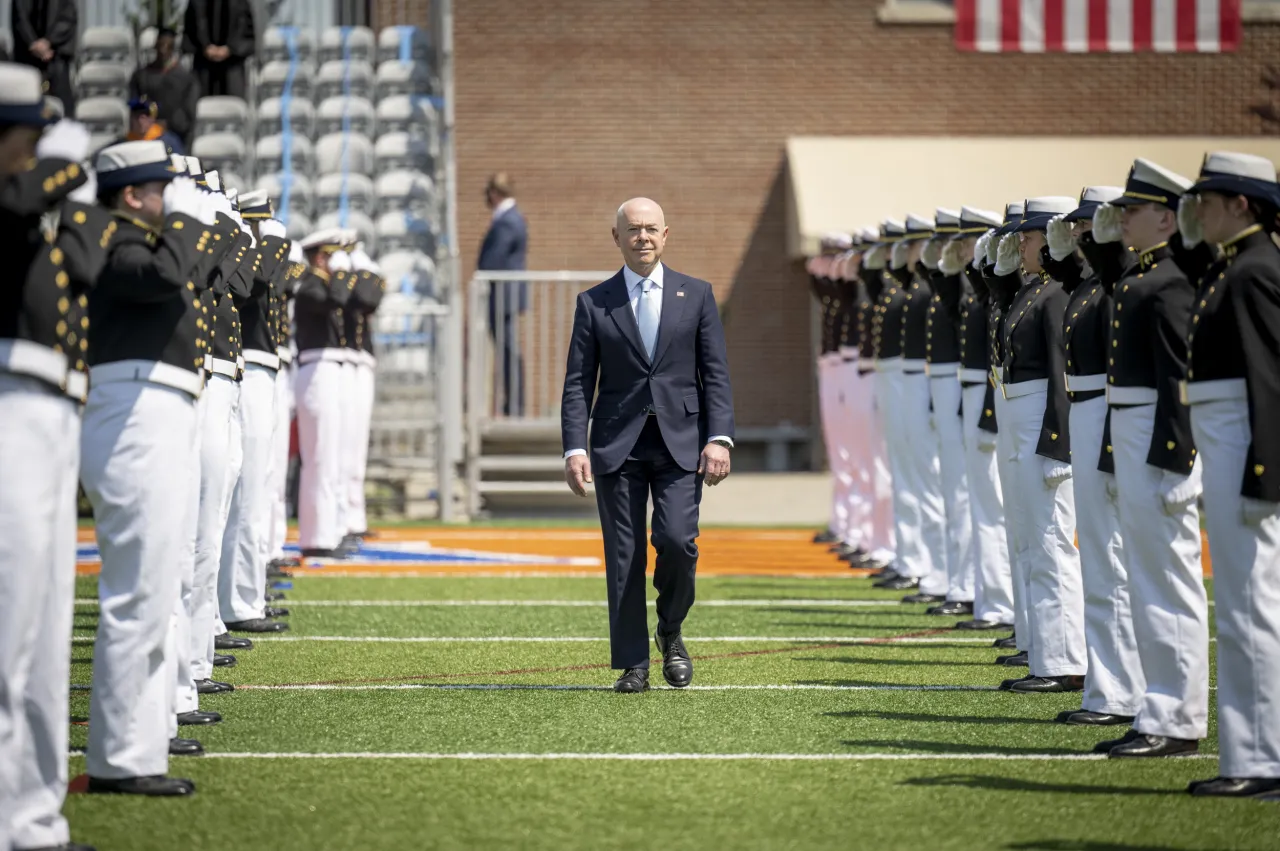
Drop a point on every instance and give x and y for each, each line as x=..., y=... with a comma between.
x=77, y=385
x=889, y=365
x=913, y=364
x=1131, y=395
x=998, y=373
x=1222, y=390
x=313, y=355
x=1086, y=383
x=1025, y=388
x=848, y=352
x=262, y=358
x=974, y=376
x=151, y=371
x=28, y=358
x=940, y=369
x=221, y=367
x=240, y=362
x=284, y=354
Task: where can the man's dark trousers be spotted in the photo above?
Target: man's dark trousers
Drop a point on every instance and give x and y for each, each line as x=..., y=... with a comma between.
x=622, y=497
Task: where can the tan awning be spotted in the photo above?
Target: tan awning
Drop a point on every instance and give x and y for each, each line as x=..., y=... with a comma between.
x=843, y=183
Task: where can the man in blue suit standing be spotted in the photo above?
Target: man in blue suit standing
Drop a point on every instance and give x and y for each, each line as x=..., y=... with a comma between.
x=649, y=340
x=503, y=250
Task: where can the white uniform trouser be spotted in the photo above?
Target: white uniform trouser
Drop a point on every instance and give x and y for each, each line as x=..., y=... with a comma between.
x=923, y=482
x=828, y=411
x=944, y=390
x=1042, y=520
x=280, y=462
x=182, y=628
x=358, y=446
x=319, y=405
x=220, y=451
x=136, y=449
x=870, y=497
x=346, y=451
x=1166, y=586
x=1008, y=490
x=993, y=586
x=242, y=579
x=1114, y=683
x=911, y=560
x=39, y=457
x=1246, y=588
x=882, y=544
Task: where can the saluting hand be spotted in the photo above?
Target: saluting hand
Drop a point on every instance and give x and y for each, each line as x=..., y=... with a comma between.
x=714, y=463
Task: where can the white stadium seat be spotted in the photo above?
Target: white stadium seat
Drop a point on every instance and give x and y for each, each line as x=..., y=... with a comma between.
x=362, y=224
x=270, y=155
x=98, y=141
x=344, y=152
x=231, y=180
x=358, y=189
x=103, y=79
x=276, y=44
x=106, y=44
x=222, y=114
x=339, y=113
x=405, y=44
x=221, y=152
x=408, y=272
x=106, y=116
x=355, y=43
x=302, y=117
x=405, y=232
x=403, y=78
x=337, y=78
x=395, y=151
x=410, y=114
x=275, y=76
x=400, y=191
x=301, y=195
x=299, y=226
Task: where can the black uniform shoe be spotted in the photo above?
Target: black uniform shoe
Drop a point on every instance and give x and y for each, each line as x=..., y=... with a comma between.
x=185, y=747
x=155, y=786
x=319, y=553
x=842, y=550
x=632, y=681
x=284, y=563
x=349, y=546
x=826, y=536
x=1017, y=660
x=677, y=667
x=901, y=583
x=258, y=625
x=272, y=612
x=981, y=626
x=1005, y=685
x=213, y=687
x=278, y=573
x=70, y=846
x=1008, y=643
x=275, y=596
x=1085, y=718
x=1105, y=747
x=224, y=660
x=227, y=641
x=1151, y=746
x=1048, y=685
x=924, y=598
x=197, y=718
x=952, y=607
x=1235, y=787
x=1064, y=715
x=884, y=573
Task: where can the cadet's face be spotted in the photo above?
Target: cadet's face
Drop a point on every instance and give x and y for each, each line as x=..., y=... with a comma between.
x=146, y=201
x=1145, y=225
x=1080, y=227
x=1222, y=216
x=966, y=248
x=1029, y=246
x=915, y=251
x=17, y=147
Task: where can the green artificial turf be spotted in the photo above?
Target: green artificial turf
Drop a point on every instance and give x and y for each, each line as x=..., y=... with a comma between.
x=846, y=692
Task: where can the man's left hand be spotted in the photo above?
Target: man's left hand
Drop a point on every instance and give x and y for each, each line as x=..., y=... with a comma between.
x=714, y=463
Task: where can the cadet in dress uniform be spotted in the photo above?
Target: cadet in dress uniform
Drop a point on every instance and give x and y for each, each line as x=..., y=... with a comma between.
x=828, y=297
x=366, y=295
x=39, y=442
x=942, y=357
x=1232, y=386
x=1113, y=685
x=319, y=299
x=1042, y=505
x=138, y=451
x=278, y=564
x=1157, y=476
x=848, y=509
x=993, y=583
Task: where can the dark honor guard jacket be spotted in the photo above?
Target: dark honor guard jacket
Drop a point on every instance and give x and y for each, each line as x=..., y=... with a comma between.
x=318, y=306
x=84, y=234
x=259, y=313
x=284, y=297
x=366, y=294
x=230, y=288
x=886, y=326
x=869, y=284
x=1152, y=311
x=829, y=308
x=915, y=322
x=1033, y=352
x=1001, y=290
x=942, y=331
x=975, y=366
x=1235, y=334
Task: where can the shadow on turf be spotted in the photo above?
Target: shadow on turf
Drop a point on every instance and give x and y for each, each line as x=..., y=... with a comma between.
x=1077, y=845
x=1011, y=784
x=921, y=746
x=891, y=627
x=911, y=663
x=943, y=719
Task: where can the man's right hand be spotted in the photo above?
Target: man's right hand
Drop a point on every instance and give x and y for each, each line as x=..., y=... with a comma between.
x=577, y=472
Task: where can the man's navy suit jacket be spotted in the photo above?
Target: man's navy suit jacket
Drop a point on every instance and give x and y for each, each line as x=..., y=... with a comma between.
x=687, y=382
x=503, y=250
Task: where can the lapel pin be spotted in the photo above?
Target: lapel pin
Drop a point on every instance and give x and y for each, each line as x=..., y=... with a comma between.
x=679, y=293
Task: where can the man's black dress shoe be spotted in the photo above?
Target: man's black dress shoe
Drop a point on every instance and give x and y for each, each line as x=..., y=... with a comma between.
x=224, y=660
x=978, y=625
x=258, y=625
x=185, y=747
x=1048, y=685
x=1017, y=660
x=197, y=718
x=1105, y=747
x=1064, y=715
x=1236, y=787
x=901, y=583
x=1005, y=685
x=921, y=597
x=885, y=573
x=632, y=681
x=826, y=536
x=1085, y=718
x=213, y=687
x=274, y=596
x=70, y=846
x=272, y=612
x=1007, y=643
x=1151, y=746
x=156, y=785
x=952, y=607
x=317, y=552
x=677, y=667
x=227, y=641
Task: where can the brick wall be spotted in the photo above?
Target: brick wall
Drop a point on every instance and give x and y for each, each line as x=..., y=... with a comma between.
x=589, y=102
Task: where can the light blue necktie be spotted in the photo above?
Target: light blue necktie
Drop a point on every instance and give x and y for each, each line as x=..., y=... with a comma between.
x=647, y=315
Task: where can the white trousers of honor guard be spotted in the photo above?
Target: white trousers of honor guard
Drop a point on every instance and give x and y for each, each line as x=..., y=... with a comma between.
x=137, y=445
x=871, y=497
x=220, y=458
x=922, y=481
x=320, y=502
x=1246, y=589
x=993, y=585
x=40, y=459
x=358, y=445
x=1042, y=529
x=348, y=425
x=1114, y=683
x=944, y=390
x=242, y=580
x=183, y=632
x=279, y=530
x=829, y=391
x=1166, y=586
x=1009, y=490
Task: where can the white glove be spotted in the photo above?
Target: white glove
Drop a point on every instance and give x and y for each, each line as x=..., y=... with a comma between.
x=208, y=208
x=1008, y=258
x=986, y=441
x=1055, y=473
x=1189, y=221
x=244, y=228
x=981, y=247
x=898, y=256
x=952, y=260
x=87, y=192
x=875, y=258
x=932, y=254
x=1062, y=242
x=272, y=227
x=183, y=196
x=1255, y=511
x=339, y=261
x=1106, y=224
x=212, y=180
x=1177, y=491
x=66, y=140
x=1113, y=490
x=296, y=254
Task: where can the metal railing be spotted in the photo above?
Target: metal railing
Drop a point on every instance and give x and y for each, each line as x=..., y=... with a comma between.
x=518, y=330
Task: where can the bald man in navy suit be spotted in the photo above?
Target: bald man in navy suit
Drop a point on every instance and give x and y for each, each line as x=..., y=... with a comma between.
x=649, y=340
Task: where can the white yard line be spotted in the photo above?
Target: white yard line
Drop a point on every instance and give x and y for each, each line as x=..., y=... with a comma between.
x=688, y=757
x=541, y=687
